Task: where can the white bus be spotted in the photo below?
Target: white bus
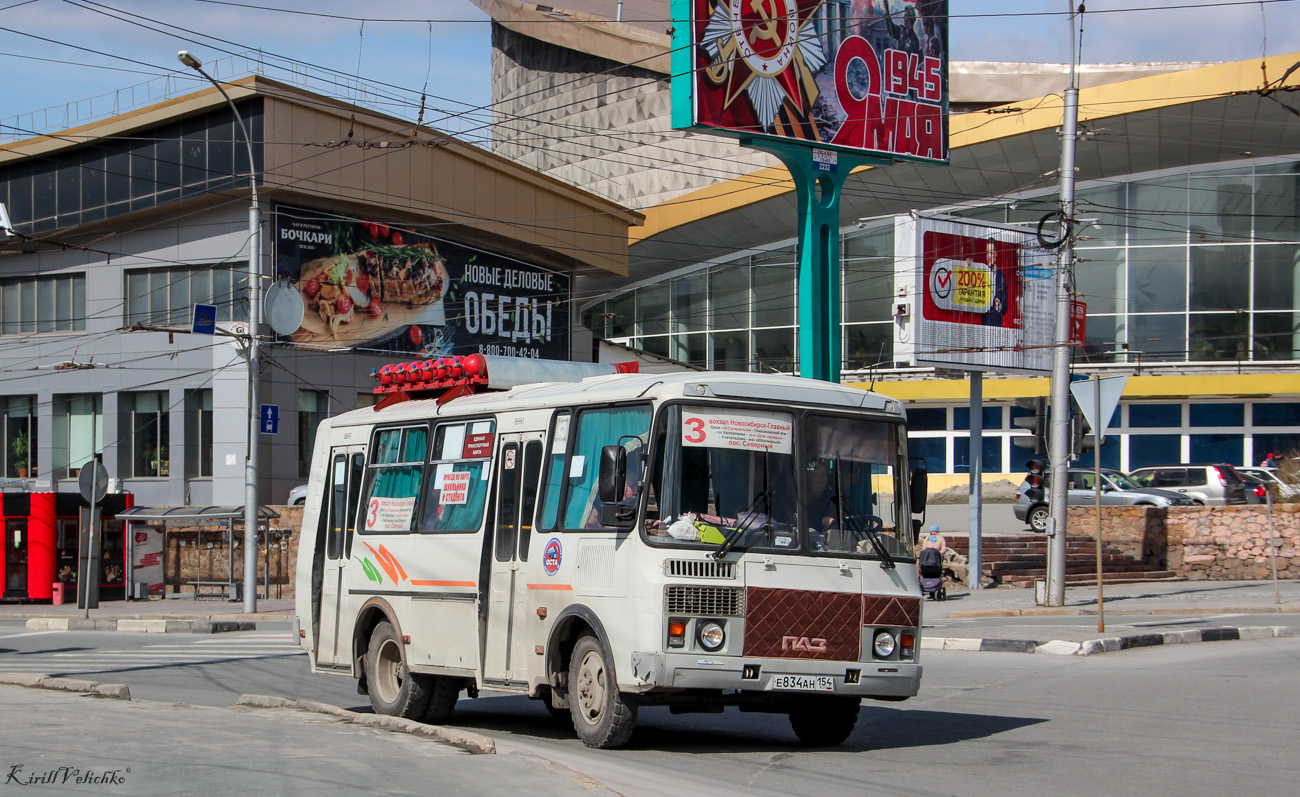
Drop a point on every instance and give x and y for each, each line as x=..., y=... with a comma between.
x=694, y=540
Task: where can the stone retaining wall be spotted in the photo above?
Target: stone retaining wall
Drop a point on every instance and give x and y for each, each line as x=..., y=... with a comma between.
x=1224, y=542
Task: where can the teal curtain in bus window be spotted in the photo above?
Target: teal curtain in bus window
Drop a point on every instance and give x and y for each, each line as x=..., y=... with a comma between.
x=387, y=447
x=596, y=429
x=554, y=472
x=442, y=517
x=399, y=481
x=415, y=442
x=551, y=492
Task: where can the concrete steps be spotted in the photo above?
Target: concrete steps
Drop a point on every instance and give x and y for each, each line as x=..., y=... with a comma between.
x=1020, y=560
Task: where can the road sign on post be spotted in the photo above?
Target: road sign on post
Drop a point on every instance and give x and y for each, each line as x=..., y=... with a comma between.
x=1103, y=405
x=270, y=419
x=205, y=320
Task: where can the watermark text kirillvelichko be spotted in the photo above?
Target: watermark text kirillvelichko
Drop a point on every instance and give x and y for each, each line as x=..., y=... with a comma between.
x=21, y=775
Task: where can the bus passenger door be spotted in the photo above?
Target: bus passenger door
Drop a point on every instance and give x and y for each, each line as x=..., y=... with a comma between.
x=339, y=518
x=519, y=467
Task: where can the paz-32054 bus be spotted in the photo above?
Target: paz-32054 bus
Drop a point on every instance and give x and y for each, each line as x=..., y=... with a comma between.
x=695, y=540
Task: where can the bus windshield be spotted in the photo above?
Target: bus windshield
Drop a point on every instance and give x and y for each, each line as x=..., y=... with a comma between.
x=736, y=479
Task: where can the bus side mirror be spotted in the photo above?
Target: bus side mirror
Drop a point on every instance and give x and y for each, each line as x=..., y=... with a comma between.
x=920, y=488
x=613, y=474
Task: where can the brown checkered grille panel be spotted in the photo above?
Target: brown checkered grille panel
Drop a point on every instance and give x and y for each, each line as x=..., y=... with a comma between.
x=803, y=624
x=905, y=612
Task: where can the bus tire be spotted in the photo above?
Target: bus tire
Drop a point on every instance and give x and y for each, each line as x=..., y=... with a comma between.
x=602, y=716
x=443, y=694
x=825, y=722
x=394, y=690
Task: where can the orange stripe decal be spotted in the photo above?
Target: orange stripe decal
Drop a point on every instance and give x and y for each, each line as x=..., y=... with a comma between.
x=420, y=582
x=551, y=586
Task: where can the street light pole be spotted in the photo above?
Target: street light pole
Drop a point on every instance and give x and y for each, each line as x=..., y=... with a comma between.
x=254, y=310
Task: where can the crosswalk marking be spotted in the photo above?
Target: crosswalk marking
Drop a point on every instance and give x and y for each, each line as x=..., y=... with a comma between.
x=170, y=654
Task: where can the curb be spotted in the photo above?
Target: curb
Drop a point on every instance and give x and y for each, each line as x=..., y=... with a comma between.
x=152, y=626
x=115, y=691
x=474, y=743
x=1067, y=612
x=1091, y=647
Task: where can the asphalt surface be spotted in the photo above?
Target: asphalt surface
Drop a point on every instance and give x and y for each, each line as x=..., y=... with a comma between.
x=57, y=736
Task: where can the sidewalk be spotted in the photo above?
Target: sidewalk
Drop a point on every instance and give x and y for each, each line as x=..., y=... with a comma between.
x=1136, y=615
x=156, y=615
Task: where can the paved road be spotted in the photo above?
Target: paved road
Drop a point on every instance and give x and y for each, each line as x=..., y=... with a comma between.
x=985, y=723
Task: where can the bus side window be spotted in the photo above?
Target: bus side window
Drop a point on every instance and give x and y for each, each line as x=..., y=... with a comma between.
x=337, y=507
x=555, y=469
x=532, y=469
x=395, y=475
x=356, y=473
x=597, y=428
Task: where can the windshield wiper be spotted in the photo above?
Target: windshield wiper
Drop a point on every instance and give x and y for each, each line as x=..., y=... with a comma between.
x=745, y=525
x=870, y=530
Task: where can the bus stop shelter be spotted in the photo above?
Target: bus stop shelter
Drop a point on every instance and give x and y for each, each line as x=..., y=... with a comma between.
x=229, y=517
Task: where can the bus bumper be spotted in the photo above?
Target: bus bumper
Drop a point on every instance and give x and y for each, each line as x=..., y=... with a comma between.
x=879, y=679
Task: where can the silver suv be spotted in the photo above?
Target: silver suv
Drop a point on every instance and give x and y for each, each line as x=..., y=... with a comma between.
x=1208, y=485
x=1117, y=489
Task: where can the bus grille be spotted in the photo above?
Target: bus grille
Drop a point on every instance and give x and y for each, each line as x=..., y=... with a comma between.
x=705, y=601
x=700, y=568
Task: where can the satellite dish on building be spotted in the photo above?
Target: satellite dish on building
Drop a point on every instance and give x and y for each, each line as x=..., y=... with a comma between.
x=284, y=308
x=93, y=482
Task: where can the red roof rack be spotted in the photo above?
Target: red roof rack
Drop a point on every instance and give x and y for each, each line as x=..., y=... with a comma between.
x=447, y=378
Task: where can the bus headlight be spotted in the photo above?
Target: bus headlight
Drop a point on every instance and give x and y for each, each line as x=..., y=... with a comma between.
x=711, y=636
x=883, y=644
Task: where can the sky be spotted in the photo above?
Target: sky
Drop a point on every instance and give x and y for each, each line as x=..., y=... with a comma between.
x=63, y=62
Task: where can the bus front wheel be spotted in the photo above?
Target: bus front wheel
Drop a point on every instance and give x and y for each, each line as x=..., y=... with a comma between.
x=826, y=721
x=394, y=690
x=602, y=716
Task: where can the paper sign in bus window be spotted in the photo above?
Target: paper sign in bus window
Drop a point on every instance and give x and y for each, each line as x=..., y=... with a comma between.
x=389, y=514
x=748, y=431
x=455, y=488
x=477, y=446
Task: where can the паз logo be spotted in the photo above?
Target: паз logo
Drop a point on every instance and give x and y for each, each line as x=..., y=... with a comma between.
x=813, y=645
x=551, y=557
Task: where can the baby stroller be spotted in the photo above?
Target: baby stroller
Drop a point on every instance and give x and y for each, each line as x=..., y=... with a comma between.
x=930, y=566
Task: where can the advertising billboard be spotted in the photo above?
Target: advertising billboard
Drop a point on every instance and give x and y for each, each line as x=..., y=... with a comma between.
x=348, y=284
x=863, y=75
x=981, y=297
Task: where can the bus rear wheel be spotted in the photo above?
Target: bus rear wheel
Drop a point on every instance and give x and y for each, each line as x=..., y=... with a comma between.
x=602, y=716
x=444, y=691
x=824, y=722
x=394, y=690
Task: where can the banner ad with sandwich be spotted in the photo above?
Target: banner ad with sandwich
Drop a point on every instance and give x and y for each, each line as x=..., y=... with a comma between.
x=347, y=284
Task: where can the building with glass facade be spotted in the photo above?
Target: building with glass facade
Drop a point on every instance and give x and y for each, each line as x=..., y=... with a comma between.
x=126, y=224
x=1188, y=180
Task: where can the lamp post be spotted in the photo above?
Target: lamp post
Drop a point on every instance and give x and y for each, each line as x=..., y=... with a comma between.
x=254, y=309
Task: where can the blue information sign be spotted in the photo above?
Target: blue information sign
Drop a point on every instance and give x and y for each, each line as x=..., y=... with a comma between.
x=270, y=419
x=205, y=320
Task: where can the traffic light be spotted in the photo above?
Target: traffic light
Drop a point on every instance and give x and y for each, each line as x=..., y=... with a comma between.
x=1081, y=438
x=1036, y=423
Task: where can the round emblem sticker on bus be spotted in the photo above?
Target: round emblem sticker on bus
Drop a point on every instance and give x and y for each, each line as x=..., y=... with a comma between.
x=551, y=556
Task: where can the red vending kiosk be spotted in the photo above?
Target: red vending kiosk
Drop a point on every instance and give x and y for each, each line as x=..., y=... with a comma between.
x=41, y=541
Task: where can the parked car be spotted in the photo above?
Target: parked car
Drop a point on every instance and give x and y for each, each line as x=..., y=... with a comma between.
x=1117, y=489
x=298, y=495
x=1206, y=484
x=1256, y=489
x=1270, y=477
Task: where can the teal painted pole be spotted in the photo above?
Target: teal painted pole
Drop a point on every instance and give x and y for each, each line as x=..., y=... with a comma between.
x=821, y=350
